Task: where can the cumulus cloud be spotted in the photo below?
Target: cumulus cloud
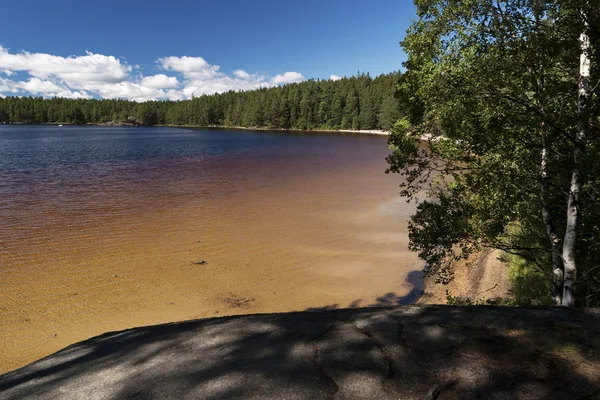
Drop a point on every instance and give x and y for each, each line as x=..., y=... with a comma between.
x=160, y=81
x=36, y=85
x=7, y=85
x=190, y=67
x=97, y=75
x=130, y=90
x=288, y=77
x=75, y=71
x=334, y=77
x=240, y=73
x=204, y=78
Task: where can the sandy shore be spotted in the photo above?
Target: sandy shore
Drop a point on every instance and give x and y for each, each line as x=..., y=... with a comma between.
x=358, y=131
x=125, y=124
x=370, y=132
x=281, y=234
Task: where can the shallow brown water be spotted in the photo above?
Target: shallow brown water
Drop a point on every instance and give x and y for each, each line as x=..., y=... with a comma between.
x=92, y=247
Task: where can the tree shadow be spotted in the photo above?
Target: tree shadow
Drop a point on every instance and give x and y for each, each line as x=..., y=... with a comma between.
x=396, y=352
x=414, y=281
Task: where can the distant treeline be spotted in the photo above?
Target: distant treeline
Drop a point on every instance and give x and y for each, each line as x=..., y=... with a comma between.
x=359, y=102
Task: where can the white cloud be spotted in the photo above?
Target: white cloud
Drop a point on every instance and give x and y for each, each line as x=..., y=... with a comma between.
x=190, y=67
x=75, y=71
x=6, y=85
x=130, y=90
x=288, y=77
x=160, y=81
x=204, y=78
x=334, y=77
x=36, y=85
x=97, y=75
x=240, y=73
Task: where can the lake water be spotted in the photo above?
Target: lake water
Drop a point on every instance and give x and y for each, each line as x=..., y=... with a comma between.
x=100, y=227
x=74, y=170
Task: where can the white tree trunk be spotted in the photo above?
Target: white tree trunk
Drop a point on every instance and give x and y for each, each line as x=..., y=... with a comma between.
x=573, y=211
x=558, y=268
x=557, y=262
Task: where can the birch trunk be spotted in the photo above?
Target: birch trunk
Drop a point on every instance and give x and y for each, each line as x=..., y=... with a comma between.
x=555, y=240
x=557, y=262
x=573, y=210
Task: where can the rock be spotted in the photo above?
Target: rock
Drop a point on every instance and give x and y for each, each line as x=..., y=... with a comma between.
x=199, y=262
x=443, y=352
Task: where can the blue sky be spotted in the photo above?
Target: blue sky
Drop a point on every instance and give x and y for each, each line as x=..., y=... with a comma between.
x=172, y=49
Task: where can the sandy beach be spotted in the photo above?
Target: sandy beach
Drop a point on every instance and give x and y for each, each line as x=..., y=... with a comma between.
x=355, y=131
x=277, y=234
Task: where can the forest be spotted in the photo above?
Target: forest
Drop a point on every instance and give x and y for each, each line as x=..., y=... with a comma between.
x=358, y=102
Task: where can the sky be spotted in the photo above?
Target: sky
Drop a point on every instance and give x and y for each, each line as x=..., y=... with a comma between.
x=153, y=50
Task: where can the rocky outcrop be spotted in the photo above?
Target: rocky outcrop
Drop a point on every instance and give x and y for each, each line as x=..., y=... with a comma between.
x=431, y=352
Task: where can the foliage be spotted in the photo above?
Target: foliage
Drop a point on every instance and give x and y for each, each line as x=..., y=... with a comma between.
x=494, y=88
x=359, y=102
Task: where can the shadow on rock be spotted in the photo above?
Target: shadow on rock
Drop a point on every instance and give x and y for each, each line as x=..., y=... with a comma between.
x=380, y=353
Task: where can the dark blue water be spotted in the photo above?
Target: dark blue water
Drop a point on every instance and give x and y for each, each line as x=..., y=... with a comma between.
x=33, y=147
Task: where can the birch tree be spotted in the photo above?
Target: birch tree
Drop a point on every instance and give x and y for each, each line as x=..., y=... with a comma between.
x=578, y=169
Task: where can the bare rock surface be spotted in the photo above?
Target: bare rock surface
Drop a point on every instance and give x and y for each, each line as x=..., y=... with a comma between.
x=427, y=352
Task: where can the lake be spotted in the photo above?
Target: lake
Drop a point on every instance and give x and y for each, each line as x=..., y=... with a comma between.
x=101, y=226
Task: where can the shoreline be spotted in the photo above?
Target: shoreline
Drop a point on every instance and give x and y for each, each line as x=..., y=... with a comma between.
x=361, y=131
x=126, y=124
